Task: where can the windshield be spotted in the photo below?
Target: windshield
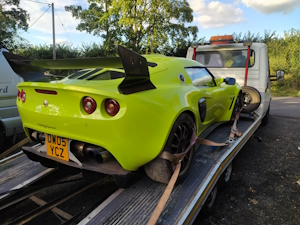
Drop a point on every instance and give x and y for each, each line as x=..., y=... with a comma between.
x=200, y=76
x=225, y=58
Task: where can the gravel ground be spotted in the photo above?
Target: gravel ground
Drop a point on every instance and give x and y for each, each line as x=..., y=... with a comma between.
x=263, y=187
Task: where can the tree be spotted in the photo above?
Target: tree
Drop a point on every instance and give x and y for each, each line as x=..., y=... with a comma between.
x=142, y=25
x=99, y=21
x=12, y=18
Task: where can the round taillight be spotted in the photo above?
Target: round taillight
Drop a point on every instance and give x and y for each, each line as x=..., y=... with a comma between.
x=89, y=105
x=23, y=96
x=112, y=107
x=19, y=94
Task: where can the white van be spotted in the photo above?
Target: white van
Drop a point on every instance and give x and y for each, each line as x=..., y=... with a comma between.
x=10, y=121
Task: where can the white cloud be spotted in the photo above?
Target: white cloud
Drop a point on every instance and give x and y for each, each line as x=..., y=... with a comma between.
x=216, y=14
x=272, y=6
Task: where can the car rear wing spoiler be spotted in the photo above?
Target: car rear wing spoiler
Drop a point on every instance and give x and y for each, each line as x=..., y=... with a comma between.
x=137, y=76
x=24, y=68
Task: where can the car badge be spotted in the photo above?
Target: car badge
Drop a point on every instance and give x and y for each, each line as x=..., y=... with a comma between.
x=181, y=78
x=45, y=103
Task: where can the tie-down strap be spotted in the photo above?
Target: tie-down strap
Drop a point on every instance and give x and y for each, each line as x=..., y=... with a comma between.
x=176, y=158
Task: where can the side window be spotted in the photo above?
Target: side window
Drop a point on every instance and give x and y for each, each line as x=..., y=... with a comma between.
x=200, y=77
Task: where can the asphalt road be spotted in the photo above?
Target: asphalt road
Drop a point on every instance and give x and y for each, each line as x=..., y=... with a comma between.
x=285, y=106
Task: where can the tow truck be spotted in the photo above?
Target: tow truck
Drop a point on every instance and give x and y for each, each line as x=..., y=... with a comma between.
x=212, y=167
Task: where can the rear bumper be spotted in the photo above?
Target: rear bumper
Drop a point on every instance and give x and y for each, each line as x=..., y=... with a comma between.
x=111, y=167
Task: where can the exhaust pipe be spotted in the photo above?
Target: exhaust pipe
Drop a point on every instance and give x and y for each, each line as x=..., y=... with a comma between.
x=103, y=156
x=90, y=151
x=86, y=150
x=77, y=147
x=39, y=137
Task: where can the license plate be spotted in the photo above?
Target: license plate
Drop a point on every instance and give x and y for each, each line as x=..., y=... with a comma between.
x=57, y=147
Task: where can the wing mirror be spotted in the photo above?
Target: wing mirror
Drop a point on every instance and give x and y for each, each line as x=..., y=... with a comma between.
x=229, y=80
x=280, y=75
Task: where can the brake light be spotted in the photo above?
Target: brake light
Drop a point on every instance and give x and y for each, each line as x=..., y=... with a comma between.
x=23, y=96
x=19, y=94
x=46, y=92
x=112, y=107
x=89, y=105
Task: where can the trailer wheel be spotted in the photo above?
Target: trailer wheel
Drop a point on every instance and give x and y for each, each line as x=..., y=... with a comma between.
x=226, y=177
x=1, y=142
x=252, y=99
x=179, y=139
x=210, y=202
x=265, y=120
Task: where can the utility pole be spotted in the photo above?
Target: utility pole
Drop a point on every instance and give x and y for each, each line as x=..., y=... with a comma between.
x=53, y=31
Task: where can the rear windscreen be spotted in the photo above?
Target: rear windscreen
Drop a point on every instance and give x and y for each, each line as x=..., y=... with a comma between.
x=108, y=75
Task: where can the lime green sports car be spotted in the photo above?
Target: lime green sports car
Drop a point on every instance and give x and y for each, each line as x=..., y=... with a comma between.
x=119, y=114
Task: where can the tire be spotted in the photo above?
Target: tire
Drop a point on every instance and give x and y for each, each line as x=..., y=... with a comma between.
x=265, y=120
x=1, y=142
x=210, y=202
x=252, y=99
x=159, y=169
x=225, y=177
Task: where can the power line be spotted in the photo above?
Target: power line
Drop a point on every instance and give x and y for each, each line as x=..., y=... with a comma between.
x=64, y=28
x=37, y=2
x=38, y=18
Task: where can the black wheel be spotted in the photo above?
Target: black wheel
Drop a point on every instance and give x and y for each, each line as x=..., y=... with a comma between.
x=252, y=99
x=210, y=202
x=238, y=105
x=265, y=120
x=178, y=141
x=1, y=142
x=225, y=177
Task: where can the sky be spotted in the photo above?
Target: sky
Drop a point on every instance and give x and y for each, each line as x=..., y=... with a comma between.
x=211, y=17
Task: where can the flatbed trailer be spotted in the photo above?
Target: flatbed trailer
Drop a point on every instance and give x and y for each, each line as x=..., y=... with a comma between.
x=18, y=172
x=136, y=204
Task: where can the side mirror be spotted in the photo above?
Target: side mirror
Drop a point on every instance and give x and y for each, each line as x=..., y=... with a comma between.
x=280, y=75
x=229, y=81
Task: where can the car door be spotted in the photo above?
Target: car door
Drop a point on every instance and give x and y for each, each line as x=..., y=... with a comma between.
x=211, y=95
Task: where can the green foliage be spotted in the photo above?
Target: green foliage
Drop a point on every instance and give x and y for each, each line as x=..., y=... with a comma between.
x=99, y=20
x=284, y=54
x=266, y=38
x=63, y=51
x=46, y=52
x=144, y=26
x=12, y=18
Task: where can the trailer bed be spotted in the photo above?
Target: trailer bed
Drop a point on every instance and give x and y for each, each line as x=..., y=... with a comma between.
x=19, y=172
x=136, y=204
